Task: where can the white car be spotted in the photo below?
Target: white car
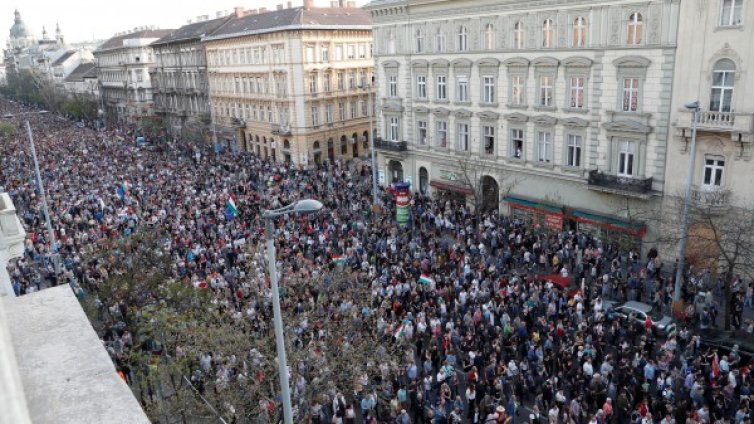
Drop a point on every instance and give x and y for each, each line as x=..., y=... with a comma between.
x=662, y=324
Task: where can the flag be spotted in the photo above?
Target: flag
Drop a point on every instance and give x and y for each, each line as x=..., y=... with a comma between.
x=339, y=259
x=425, y=279
x=715, y=367
x=122, y=191
x=230, y=208
x=398, y=333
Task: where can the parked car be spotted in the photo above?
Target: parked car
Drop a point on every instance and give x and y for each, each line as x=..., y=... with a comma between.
x=661, y=324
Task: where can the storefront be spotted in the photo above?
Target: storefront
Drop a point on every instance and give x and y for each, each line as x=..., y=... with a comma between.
x=451, y=191
x=537, y=215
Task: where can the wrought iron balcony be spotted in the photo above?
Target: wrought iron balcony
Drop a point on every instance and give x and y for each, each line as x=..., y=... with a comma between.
x=281, y=129
x=392, y=146
x=634, y=187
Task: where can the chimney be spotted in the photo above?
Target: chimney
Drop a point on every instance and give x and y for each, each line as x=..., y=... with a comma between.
x=351, y=4
x=280, y=7
x=262, y=10
x=219, y=14
x=238, y=10
x=252, y=12
x=308, y=4
x=334, y=3
x=290, y=4
x=341, y=3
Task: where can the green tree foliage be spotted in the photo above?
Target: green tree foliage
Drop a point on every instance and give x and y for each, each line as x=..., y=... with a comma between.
x=7, y=130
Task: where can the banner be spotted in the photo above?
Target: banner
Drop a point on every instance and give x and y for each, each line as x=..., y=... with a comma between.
x=402, y=203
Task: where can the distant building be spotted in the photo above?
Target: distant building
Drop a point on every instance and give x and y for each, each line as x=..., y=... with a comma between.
x=179, y=75
x=123, y=64
x=25, y=52
x=83, y=80
x=293, y=84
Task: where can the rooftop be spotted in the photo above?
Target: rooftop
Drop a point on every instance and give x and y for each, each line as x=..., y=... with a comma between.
x=59, y=61
x=81, y=71
x=117, y=41
x=195, y=30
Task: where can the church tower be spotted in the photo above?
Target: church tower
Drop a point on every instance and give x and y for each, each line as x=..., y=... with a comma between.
x=20, y=36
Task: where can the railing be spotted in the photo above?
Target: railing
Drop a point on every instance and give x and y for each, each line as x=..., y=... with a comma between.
x=717, y=119
x=393, y=146
x=709, y=197
x=281, y=129
x=614, y=182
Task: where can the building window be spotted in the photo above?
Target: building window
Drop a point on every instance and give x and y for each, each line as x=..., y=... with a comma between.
x=393, y=129
x=351, y=51
x=343, y=145
x=341, y=81
x=630, y=94
x=342, y=111
x=577, y=92
x=722, y=86
x=463, y=88
x=315, y=116
x=313, y=83
x=310, y=54
x=354, y=110
x=517, y=143
x=713, y=173
x=339, y=52
x=362, y=79
x=545, y=91
x=328, y=114
x=463, y=137
x=488, y=89
x=518, y=90
x=440, y=40
x=518, y=35
x=442, y=87
x=392, y=86
x=488, y=139
x=421, y=86
x=352, y=79
x=544, y=146
x=626, y=153
x=731, y=12
x=547, y=33
x=325, y=54
x=635, y=29
x=573, y=152
x=421, y=133
x=579, y=32
x=442, y=134
x=463, y=38
x=364, y=110
x=419, y=41
x=489, y=37
x=327, y=83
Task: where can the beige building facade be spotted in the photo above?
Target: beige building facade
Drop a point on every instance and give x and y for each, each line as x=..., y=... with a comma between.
x=712, y=62
x=557, y=114
x=293, y=84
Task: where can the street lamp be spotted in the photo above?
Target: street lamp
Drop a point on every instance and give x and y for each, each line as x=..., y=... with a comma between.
x=677, y=305
x=375, y=199
x=301, y=207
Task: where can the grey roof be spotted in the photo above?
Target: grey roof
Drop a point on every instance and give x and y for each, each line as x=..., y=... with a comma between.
x=80, y=72
x=280, y=20
x=192, y=31
x=378, y=3
x=117, y=41
x=64, y=57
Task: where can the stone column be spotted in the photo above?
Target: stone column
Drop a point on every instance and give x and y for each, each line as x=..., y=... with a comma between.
x=12, y=236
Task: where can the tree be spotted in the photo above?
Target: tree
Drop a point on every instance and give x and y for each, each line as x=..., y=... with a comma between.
x=198, y=130
x=174, y=324
x=7, y=130
x=80, y=106
x=720, y=237
x=476, y=175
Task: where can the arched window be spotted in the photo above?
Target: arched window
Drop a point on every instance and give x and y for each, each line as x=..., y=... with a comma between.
x=343, y=145
x=463, y=39
x=286, y=144
x=547, y=29
x=579, y=32
x=489, y=37
x=419, y=41
x=723, y=79
x=440, y=43
x=635, y=29
x=518, y=35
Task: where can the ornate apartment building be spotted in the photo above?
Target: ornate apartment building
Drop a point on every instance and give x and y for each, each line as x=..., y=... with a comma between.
x=556, y=112
x=123, y=64
x=293, y=84
x=712, y=61
x=179, y=76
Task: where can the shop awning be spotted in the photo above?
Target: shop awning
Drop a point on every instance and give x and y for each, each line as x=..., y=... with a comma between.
x=452, y=187
x=532, y=204
x=615, y=223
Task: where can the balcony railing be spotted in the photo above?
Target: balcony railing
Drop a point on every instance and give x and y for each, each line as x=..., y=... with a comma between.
x=717, y=119
x=728, y=122
x=619, y=185
x=393, y=146
x=707, y=197
x=281, y=129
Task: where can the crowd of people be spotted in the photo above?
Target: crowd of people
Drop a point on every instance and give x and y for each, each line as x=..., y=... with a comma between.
x=489, y=339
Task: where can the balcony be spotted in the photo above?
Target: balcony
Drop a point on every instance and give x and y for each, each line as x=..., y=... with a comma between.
x=739, y=125
x=390, y=146
x=710, y=199
x=624, y=186
x=238, y=123
x=281, y=129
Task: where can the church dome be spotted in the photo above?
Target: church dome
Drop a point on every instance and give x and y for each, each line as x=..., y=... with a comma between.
x=18, y=30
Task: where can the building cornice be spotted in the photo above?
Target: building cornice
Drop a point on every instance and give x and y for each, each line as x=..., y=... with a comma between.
x=287, y=28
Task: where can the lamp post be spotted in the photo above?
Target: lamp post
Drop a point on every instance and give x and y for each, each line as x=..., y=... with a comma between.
x=375, y=198
x=677, y=305
x=301, y=207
